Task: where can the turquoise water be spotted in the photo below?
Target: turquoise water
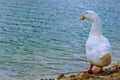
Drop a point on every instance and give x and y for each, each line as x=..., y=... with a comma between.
x=42, y=38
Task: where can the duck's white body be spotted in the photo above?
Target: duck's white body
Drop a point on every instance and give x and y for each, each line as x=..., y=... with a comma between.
x=98, y=49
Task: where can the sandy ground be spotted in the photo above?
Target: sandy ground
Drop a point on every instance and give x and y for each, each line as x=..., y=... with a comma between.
x=110, y=73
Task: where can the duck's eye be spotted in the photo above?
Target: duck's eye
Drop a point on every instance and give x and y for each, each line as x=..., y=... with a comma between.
x=86, y=12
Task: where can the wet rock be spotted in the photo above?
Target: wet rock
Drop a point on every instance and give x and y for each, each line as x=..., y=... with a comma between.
x=45, y=79
x=72, y=76
x=60, y=76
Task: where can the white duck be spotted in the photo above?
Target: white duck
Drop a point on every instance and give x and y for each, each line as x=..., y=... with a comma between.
x=98, y=49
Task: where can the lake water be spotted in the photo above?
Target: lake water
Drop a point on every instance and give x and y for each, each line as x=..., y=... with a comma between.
x=42, y=38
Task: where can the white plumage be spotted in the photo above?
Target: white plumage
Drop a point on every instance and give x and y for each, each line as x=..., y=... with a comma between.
x=98, y=49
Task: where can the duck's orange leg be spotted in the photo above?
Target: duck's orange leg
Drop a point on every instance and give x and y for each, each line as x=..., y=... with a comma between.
x=98, y=70
x=90, y=69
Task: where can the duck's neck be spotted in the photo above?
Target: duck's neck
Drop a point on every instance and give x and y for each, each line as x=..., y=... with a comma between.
x=96, y=28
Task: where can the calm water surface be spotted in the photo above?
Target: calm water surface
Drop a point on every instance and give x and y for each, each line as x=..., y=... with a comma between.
x=42, y=38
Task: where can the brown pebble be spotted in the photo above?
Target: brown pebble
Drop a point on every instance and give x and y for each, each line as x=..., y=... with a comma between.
x=72, y=75
x=60, y=76
x=44, y=79
x=91, y=79
x=51, y=79
x=106, y=69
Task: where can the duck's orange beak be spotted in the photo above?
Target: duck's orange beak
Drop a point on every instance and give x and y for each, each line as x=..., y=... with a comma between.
x=82, y=18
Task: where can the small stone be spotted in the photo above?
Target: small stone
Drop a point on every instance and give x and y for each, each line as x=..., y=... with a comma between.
x=60, y=76
x=52, y=79
x=72, y=76
x=81, y=74
x=90, y=78
x=44, y=79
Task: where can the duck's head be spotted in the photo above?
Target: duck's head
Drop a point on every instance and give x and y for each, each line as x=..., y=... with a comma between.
x=90, y=15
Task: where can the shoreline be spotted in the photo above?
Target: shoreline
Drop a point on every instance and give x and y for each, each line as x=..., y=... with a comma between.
x=109, y=73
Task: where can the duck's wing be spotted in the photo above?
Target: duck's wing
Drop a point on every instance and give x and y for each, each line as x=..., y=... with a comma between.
x=98, y=46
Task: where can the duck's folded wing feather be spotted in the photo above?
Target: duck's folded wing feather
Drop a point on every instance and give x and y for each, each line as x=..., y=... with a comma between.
x=98, y=48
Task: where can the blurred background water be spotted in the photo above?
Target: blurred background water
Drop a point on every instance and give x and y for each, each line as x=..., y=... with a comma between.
x=42, y=38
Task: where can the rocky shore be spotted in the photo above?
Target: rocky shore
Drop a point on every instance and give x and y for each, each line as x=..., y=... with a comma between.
x=110, y=73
